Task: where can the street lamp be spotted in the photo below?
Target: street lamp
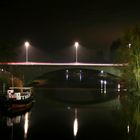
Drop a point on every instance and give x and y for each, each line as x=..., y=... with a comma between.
x=76, y=46
x=27, y=44
x=129, y=45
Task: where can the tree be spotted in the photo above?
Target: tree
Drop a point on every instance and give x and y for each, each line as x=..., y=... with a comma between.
x=7, y=51
x=129, y=53
x=113, y=49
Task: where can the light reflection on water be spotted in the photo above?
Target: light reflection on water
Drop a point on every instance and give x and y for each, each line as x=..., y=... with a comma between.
x=75, y=123
x=26, y=124
x=13, y=122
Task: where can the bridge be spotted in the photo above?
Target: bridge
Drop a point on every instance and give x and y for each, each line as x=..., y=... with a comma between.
x=32, y=70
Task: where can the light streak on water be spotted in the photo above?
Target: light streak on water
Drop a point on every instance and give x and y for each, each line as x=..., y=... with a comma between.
x=26, y=124
x=75, y=124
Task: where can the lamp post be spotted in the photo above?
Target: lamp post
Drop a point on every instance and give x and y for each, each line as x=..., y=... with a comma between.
x=27, y=44
x=76, y=47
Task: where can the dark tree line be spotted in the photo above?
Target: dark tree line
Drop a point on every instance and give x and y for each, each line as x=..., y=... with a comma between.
x=7, y=51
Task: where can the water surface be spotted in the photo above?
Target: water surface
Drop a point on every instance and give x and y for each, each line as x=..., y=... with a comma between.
x=70, y=113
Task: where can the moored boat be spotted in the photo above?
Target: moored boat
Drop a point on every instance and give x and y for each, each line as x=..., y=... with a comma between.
x=18, y=99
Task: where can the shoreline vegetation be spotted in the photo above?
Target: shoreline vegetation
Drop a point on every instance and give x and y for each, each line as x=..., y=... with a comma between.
x=7, y=79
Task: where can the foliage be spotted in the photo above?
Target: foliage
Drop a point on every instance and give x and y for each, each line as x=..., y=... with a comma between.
x=7, y=78
x=129, y=53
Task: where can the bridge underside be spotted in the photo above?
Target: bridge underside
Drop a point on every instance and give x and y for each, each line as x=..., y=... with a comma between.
x=30, y=72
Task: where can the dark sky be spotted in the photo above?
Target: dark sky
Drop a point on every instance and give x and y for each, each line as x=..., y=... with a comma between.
x=53, y=27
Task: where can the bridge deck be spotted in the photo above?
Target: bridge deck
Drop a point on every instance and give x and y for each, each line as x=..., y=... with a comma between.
x=63, y=64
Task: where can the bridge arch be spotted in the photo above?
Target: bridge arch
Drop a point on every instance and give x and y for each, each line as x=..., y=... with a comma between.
x=30, y=70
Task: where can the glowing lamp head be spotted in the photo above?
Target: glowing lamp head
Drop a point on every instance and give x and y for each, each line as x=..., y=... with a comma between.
x=129, y=45
x=76, y=44
x=27, y=44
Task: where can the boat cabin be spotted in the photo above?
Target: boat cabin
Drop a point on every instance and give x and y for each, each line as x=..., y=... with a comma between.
x=19, y=93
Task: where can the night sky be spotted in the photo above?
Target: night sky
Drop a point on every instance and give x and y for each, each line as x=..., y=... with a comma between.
x=53, y=27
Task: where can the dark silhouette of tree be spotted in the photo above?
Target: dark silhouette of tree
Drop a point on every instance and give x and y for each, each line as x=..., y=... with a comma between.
x=7, y=51
x=114, y=49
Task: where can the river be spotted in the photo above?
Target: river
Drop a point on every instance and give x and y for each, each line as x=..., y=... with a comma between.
x=55, y=116
x=72, y=112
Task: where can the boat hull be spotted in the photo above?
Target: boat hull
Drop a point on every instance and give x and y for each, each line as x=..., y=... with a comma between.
x=18, y=106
